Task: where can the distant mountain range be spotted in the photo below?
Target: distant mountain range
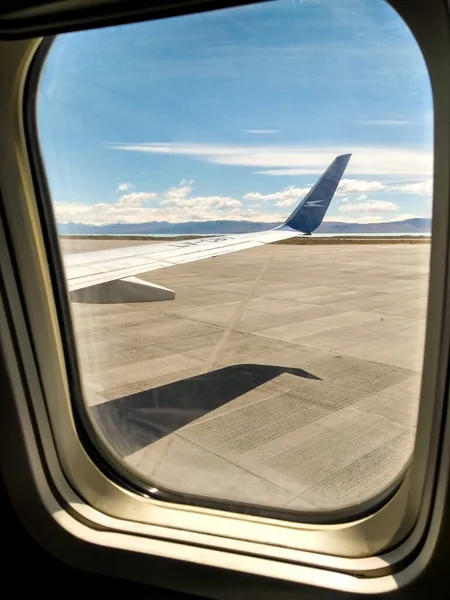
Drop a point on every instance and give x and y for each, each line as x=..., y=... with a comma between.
x=416, y=225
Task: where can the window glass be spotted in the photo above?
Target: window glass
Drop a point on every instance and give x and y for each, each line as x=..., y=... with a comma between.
x=285, y=374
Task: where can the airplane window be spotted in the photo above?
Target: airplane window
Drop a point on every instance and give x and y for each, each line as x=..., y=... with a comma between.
x=243, y=199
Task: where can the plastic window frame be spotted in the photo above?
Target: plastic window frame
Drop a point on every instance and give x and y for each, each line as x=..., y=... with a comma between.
x=88, y=499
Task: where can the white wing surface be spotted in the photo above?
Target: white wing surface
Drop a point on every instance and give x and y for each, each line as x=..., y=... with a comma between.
x=88, y=269
x=85, y=269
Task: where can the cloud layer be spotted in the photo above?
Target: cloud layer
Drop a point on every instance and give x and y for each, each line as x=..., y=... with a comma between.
x=176, y=205
x=261, y=131
x=179, y=204
x=286, y=197
x=408, y=171
x=368, y=207
x=386, y=122
x=296, y=160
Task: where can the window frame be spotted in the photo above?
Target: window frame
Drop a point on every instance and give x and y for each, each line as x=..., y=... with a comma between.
x=87, y=504
x=90, y=434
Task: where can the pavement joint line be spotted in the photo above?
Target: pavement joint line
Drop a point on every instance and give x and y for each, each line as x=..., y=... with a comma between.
x=178, y=434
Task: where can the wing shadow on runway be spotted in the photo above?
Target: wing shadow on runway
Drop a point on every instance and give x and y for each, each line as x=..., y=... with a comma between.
x=135, y=421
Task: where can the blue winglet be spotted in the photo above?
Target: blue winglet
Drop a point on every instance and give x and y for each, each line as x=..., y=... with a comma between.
x=309, y=214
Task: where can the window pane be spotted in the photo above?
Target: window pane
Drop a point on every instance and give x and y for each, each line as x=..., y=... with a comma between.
x=281, y=374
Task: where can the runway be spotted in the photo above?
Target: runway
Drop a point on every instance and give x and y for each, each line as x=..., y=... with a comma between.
x=283, y=376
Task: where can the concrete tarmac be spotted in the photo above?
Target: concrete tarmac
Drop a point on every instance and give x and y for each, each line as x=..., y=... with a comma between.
x=282, y=376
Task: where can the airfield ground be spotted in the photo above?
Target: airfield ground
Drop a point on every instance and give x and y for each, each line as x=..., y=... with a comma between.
x=284, y=376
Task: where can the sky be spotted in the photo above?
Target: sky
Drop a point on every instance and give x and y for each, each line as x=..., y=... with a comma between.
x=234, y=114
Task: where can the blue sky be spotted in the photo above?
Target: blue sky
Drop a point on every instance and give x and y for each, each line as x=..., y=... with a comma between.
x=233, y=114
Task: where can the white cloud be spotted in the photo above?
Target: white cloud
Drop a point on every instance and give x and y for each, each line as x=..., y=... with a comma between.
x=292, y=194
x=348, y=186
x=213, y=202
x=104, y=214
x=286, y=197
x=176, y=205
x=175, y=196
x=406, y=216
x=124, y=187
x=374, y=206
x=179, y=204
x=285, y=202
x=297, y=159
x=136, y=199
x=381, y=122
x=261, y=131
x=283, y=172
x=351, y=186
x=179, y=196
x=421, y=188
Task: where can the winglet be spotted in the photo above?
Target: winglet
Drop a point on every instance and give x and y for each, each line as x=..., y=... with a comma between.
x=309, y=214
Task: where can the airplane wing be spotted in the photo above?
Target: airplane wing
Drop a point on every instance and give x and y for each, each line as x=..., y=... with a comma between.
x=92, y=269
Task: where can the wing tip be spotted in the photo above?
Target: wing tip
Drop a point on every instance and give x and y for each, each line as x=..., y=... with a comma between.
x=333, y=175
